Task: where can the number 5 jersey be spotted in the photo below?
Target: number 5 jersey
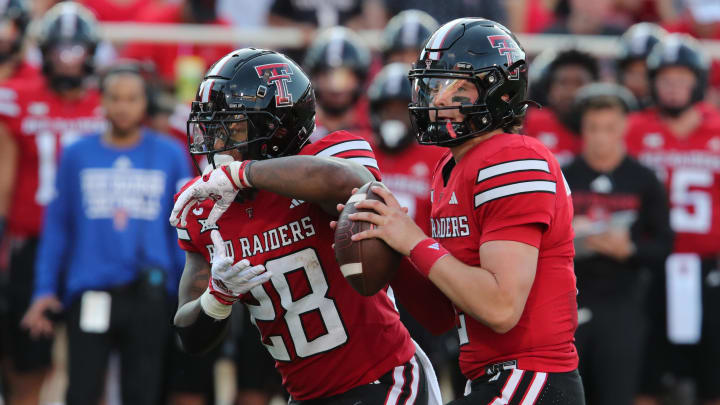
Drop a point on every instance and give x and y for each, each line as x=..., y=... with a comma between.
x=324, y=336
x=690, y=168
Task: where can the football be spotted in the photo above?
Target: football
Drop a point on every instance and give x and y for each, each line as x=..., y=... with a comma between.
x=368, y=265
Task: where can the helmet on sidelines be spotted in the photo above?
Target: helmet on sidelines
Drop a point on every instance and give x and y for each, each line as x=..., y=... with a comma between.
x=678, y=50
x=255, y=101
x=476, y=52
x=337, y=47
x=390, y=84
x=408, y=30
x=68, y=35
x=16, y=13
x=637, y=42
x=590, y=93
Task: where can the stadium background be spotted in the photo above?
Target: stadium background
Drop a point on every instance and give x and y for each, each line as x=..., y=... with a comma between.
x=130, y=28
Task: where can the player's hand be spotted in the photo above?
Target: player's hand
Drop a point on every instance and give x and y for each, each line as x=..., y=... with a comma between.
x=392, y=223
x=35, y=319
x=221, y=185
x=229, y=281
x=615, y=243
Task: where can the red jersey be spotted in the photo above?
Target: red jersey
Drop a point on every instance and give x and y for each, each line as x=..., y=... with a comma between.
x=408, y=174
x=41, y=123
x=507, y=181
x=690, y=169
x=24, y=73
x=172, y=59
x=324, y=336
x=546, y=127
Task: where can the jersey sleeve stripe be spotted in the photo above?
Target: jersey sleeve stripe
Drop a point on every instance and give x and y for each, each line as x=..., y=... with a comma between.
x=537, y=165
x=365, y=161
x=346, y=146
x=183, y=234
x=523, y=187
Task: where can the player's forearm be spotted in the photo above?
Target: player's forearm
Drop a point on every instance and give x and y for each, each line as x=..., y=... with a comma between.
x=199, y=332
x=477, y=292
x=328, y=181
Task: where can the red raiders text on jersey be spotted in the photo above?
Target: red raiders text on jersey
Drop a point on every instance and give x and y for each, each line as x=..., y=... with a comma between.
x=503, y=182
x=324, y=336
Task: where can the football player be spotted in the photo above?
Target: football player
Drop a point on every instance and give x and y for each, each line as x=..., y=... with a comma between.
x=271, y=250
x=405, y=34
x=565, y=74
x=635, y=45
x=37, y=119
x=680, y=138
x=501, y=243
x=338, y=62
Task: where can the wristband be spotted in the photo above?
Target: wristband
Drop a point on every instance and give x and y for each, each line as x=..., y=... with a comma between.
x=238, y=177
x=212, y=307
x=426, y=253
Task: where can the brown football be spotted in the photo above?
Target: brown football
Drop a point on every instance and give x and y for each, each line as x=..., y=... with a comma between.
x=370, y=264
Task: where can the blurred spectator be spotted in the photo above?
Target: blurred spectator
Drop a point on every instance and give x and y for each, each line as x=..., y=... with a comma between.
x=621, y=230
x=181, y=66
x=107, y=229
x=14, y=19
x=311, y=15
x=37, y=118
x=405, y=35
x=407, y=171
x=586, y=18
x=337, y=62
x=635, y=45
x=565, y=74
x=116, y=10
x=701, y=19
x=680, y=139
x=448, y=10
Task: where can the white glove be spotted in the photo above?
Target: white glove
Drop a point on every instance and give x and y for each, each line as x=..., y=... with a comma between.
x=228, y=281
x=221, y=185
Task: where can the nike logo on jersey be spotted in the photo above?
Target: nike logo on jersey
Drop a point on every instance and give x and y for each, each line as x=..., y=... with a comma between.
x=205, y=226
x=294, y=203
x=453, y=199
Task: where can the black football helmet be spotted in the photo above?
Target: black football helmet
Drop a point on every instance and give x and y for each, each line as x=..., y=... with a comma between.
x=255, y=101
x=408, y=30
x=679, y=50
x=390, y=84
x=637, y=42
x=13, y=12
x=477, y=51
x=70, y=30
x=337, y=47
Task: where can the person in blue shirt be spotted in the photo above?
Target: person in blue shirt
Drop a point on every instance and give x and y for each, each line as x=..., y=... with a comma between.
x=107, y=256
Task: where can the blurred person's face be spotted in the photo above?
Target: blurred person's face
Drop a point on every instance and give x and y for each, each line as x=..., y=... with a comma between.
x=634, y=77
x=451, y=93
x=566, y=81
x=394, y=123
x=408, y=56
x=603, y=131
x=9, y=34
x=336, y=90
x=67, y=65
x=124, y=102
x=674, y=86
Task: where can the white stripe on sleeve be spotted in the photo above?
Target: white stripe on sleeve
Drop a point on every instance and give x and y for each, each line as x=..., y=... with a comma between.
x=539, y=186
x=365, y=161
x=344, y=147
x=511, y=167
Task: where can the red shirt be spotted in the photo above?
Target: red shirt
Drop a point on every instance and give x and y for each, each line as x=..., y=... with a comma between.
x=108, y=10
x=41, y=123
x=24, y=74
x=544, y=125
x=169, y=59
x=504, y=182
x=690, y=169
x=325, y=337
